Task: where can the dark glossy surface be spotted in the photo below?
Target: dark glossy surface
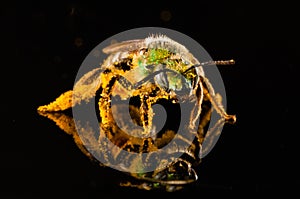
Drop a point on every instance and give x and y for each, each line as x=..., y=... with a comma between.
x=45, y=44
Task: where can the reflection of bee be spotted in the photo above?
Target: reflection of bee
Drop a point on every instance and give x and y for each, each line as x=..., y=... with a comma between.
x=154, y=70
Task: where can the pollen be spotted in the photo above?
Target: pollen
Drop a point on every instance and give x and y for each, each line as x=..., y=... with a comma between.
x=63, y=102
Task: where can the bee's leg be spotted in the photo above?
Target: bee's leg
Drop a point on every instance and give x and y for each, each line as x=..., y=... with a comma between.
x=146, y=111
x=143, y=109
x=126, y=83
x=146, y=115
x=196, y=111
x=83, y=90
x=216, y=101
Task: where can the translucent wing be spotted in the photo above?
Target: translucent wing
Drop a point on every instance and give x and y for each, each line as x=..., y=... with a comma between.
x=128, y=45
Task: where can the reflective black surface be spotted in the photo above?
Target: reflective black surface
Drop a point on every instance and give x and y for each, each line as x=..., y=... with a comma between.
x=45, y=43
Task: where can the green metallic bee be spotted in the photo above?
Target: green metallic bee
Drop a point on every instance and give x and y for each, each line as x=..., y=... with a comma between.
x=136, y=76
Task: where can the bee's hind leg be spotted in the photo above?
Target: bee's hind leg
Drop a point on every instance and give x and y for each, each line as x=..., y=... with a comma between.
x=83, y=90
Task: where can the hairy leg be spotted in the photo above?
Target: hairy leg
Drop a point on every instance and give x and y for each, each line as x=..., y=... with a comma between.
x=216, y=101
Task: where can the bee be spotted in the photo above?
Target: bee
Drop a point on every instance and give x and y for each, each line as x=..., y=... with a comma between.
x=137, y=75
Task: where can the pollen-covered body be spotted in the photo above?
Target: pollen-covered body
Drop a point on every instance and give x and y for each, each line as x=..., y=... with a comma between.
x=146, y=72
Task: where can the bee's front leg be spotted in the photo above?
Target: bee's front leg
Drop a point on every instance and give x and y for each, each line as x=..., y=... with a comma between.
x=196, y=111
x=216, y=101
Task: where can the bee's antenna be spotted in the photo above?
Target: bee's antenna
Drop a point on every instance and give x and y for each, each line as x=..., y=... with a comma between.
x=219, y=62
x=209, y=63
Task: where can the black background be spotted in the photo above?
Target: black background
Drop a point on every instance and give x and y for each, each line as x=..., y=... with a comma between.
x=44, y=44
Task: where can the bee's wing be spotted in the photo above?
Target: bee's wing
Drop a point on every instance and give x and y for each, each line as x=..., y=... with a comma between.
x=86, y=87
x=125, y=46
